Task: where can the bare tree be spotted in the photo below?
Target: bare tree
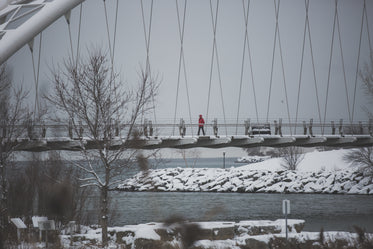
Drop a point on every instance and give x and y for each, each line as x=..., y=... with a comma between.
x=291, y=156
x=13, y=113
x=91, y=95
x=361, y=157
x=366, y=76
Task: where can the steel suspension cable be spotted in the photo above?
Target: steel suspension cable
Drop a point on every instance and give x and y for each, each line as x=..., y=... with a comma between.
x=147, y=36
x=37, y=79
x=283, y=69
x=79, y=32
x=36, y=72
x=179, y=71
x=273, y=61
x=368, y=30
x=344, y=71
x=301, y=65
x=314, y=72
x=181, y=29
x=115, y=30
x=358, y=60
x=108, y=31
x=330, y=65
x=214, y=24
x=243, y=60
x=212, y=65
x=67, y=17
x=251, y=69
x=242, y=66
x=184, y=67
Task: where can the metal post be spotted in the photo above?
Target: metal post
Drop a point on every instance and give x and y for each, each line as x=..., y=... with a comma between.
x=215, y=127
x=310, y=127
x=276, y=127
x=333, y=128
x=247, y=127
x=150, y=128
x=279, y=127
x=304, y=128
x=286, y=221
x=286, y=211
x=341, y=127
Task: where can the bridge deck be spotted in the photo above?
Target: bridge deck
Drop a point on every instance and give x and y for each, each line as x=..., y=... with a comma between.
x=65, y=143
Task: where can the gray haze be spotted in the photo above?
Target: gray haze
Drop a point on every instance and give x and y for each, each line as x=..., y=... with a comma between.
x=130, y=55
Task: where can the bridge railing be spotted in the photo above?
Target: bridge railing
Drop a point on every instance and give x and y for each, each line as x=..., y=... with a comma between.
x=33, y=130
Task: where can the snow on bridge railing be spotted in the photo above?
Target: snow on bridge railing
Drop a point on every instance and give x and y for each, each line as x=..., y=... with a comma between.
x=34, y=130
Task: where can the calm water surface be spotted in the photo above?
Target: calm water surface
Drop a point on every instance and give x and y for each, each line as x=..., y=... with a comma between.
x=332, y=212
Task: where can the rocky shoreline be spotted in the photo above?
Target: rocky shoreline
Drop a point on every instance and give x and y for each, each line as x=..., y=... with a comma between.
x=239, y=180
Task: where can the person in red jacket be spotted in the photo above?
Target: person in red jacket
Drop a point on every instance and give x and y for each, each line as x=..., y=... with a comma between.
x=201, y=123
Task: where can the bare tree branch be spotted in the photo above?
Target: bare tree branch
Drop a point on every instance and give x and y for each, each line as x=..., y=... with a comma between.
x=90, y=95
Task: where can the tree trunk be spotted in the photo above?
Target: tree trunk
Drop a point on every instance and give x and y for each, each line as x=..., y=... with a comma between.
x=4, y=201
x=104, y=215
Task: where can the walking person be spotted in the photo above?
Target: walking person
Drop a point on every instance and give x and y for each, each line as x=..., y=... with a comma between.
x=201, y=123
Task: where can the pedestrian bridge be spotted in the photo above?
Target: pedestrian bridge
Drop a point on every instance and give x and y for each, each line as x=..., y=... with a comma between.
x=65, y=143
x=297, y=87
x=156, y=136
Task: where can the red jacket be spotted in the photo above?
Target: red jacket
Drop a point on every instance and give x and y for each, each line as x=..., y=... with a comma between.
x=201, y=122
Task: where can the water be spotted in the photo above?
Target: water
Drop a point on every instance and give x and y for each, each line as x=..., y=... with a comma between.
x=332, y=212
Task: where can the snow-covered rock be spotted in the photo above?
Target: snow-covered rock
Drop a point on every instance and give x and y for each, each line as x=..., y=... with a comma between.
x=333, y=177
x=249, y=181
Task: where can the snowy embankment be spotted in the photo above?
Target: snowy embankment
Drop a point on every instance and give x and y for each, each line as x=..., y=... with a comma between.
x=319, y=172
x=235, y=235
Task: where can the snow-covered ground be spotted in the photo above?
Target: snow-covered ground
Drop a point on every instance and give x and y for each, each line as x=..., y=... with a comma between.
x=210, y=234
x=319, y=172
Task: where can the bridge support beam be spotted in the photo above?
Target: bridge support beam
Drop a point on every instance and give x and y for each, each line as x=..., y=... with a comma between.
x=340, y=141
x=212, y=142
x=277, y=141
x=177, y=142
x=307, y=141
x=246, y=141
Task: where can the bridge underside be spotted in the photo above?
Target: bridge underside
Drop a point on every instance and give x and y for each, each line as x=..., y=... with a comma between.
x=65, y=143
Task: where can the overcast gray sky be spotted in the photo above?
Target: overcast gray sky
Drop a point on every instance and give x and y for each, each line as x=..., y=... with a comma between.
x=130, y=54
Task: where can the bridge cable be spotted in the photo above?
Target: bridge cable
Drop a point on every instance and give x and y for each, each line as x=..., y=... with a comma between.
x=307, y=30
x=368, y=32
x=243, y=61
x=282, y=66
x=330, y=65
x=79, y=33
x=36, y=75
x=215, y=50
x=67, y=18
x=108, y=32
x=251, y=71
x=184, y=66
x=273, y=61
x=181, y=29
x=344, y=72
x=246, y=42
x=178, y=74
x=301, y=64
x=277, y=37
x=314, y=70
x=358, y=60
x=147, y=36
